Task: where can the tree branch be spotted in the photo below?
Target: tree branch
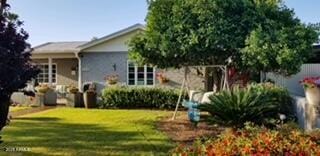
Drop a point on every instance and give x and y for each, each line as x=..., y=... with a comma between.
x=3, y=5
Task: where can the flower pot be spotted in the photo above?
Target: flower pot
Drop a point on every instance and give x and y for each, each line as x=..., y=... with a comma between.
x=312, y=107
x=50, y=98
x=75, y=100
x=313, y=95
x=90, y=99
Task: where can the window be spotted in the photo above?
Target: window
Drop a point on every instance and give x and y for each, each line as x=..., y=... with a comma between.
x=140, y=75
x=43, y=76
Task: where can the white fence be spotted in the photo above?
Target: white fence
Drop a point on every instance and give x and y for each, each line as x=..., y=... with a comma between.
x=292, y=82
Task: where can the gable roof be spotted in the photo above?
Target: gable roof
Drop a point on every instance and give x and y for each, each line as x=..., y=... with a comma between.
x=77, y=46
x=58, y=47
x=112, y=36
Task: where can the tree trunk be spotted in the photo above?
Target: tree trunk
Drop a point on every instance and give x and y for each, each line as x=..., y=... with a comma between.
x=208, y=85
x=216, y=74
x=212, y=79
x=4, y=110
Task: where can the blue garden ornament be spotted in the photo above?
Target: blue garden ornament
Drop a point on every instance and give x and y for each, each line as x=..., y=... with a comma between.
x=193, y=111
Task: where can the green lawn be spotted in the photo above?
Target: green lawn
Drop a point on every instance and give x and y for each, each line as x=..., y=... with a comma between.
x=64, y=131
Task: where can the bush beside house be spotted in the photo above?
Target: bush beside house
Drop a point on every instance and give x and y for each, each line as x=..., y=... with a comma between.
x=128, y=98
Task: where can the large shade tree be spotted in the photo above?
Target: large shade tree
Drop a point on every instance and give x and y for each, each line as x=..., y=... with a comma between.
x=15, y=63
x=256, y=35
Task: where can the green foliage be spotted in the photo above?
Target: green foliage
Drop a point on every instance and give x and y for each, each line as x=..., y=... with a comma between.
x=253, y=140
x=238, y=106
x=260, y=104
x=152, y=98
x=279, y=50
x=279, y=95
x=257, y=34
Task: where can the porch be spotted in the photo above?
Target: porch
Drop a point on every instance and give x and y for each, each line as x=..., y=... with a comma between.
x=59, y=62
x=58, y=71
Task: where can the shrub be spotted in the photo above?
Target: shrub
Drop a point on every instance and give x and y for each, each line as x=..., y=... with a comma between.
x=125, y=97
x=279, y=95
x=234, y=108
x=261, y=104
x=254, y=141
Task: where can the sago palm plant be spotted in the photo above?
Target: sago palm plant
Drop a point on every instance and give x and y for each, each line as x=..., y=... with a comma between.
x=236, y=107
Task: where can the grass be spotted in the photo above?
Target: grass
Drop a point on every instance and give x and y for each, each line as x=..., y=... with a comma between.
x=17, y=108
x=66, y=131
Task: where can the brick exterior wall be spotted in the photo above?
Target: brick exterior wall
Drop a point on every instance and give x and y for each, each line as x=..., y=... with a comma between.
x=176, y=77
x=96, y=65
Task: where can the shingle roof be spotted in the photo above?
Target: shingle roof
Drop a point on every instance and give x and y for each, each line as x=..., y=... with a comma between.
x=76, y=46
x=58, y=47
x=132, y=28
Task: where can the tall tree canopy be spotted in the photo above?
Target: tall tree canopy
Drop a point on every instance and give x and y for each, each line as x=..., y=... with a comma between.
x=15, y=62
x=259, y=35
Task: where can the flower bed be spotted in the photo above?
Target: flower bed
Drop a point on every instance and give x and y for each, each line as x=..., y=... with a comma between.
x=256, y=141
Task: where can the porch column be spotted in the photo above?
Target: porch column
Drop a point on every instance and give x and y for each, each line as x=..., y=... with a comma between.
x=79, y=74
x=50, y=70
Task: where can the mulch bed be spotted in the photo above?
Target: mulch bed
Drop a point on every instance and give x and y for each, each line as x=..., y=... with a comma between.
x=29, y=111
x=181, y=130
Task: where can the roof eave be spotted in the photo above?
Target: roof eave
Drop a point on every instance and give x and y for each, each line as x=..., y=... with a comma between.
x=112, y=36
x=54, y=52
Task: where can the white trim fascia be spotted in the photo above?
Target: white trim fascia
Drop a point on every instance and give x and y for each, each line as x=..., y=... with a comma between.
x=54, y=56
x=53, y=51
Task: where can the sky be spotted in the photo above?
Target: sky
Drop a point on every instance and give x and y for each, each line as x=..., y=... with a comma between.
x=81, y=20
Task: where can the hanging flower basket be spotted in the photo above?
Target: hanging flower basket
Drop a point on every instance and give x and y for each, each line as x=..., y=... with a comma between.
x=112, y=79
x=162, y=78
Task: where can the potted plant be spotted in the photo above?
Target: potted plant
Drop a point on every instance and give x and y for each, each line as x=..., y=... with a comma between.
x=112, y=79
x=162, y=78
x=42, y=89
x=45, y=96
x=73, y=90
x=74, y=97
x=90, y=98
x=90, y=95
x=311, y=87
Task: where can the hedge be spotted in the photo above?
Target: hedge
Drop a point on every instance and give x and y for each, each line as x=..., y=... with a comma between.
x=139, y=97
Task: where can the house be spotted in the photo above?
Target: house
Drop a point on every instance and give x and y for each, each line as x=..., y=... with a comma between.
x=77, y=63
x=292, y=83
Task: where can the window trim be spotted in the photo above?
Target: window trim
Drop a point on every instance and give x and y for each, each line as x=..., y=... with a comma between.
x=55, y=77
x=136, y=75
